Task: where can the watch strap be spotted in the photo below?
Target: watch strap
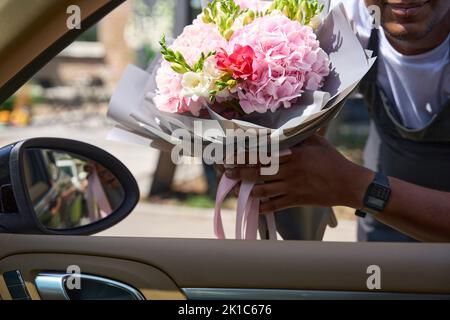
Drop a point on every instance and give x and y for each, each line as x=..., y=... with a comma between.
x=381, y=179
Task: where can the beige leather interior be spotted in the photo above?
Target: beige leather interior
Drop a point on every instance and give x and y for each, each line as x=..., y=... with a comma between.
x=151, y=282
x=27, y=30
x=159, y=266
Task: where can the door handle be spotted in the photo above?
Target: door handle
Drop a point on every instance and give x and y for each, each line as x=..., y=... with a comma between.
x=52, y=286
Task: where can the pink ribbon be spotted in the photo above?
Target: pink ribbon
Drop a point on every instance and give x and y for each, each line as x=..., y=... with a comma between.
x=247, y=212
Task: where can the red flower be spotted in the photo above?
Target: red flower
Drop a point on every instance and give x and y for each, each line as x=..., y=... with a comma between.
x=239, y=63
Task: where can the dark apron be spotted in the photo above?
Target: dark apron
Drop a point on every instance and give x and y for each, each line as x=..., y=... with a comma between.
x=421, y=157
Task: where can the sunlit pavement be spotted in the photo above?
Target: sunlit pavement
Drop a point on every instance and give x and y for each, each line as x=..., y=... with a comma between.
x=152, y=220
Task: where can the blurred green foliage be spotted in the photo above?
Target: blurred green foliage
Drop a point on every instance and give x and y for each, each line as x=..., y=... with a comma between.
x=199, y=201
x=36, y=97
x=8, y=104
x=90, y=35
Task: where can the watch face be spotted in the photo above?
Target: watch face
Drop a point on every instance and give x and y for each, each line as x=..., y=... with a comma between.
x=377, y=196
x=375, y=203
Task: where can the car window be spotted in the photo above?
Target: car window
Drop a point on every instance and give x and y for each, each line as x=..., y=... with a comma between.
x=69, y=98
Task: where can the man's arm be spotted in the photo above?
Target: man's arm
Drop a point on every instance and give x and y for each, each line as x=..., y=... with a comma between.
x=317, y=174
x=419, y=212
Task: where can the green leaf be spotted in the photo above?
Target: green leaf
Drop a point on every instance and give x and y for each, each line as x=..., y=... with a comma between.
x=302, y=11
x=178, y=68
x=223, y=13
x=178, y=63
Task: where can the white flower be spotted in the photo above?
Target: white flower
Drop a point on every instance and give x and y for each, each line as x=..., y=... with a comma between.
x=210, y=69
x=195, y=85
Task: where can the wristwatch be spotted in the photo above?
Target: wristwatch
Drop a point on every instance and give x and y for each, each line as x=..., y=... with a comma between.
x=376, y=197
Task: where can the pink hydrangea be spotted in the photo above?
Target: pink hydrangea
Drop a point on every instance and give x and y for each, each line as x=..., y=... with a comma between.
x=195, y=39
x=288, y=60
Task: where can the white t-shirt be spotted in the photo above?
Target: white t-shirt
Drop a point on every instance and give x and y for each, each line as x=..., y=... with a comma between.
x=418, y=85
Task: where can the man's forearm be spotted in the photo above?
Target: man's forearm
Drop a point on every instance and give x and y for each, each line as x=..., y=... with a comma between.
x=316, y=174
x=422, y=213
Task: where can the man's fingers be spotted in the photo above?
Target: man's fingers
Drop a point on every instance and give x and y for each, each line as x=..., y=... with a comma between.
x=275, y=204
x=269, y=190
x=243, y=173
x=254, y=174
x=235, y=164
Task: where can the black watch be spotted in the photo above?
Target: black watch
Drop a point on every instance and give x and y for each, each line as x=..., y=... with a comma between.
x=377, y=196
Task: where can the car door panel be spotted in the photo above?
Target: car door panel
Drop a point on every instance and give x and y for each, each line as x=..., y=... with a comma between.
x=149, y=281
x=182, y=264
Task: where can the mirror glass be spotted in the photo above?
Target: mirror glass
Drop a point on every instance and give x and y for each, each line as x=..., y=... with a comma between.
x=69, y=191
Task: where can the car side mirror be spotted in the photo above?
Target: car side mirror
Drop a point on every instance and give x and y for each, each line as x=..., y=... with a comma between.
x=62, y=187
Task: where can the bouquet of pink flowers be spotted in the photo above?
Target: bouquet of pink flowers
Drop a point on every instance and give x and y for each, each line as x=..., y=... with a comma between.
x=277, y=71
x=250, y=56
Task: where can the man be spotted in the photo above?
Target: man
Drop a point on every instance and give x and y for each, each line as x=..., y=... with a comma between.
x=403, y=193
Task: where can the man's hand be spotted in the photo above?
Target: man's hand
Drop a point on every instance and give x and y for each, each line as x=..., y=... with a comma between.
x=317, y=174
x=314, y=174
